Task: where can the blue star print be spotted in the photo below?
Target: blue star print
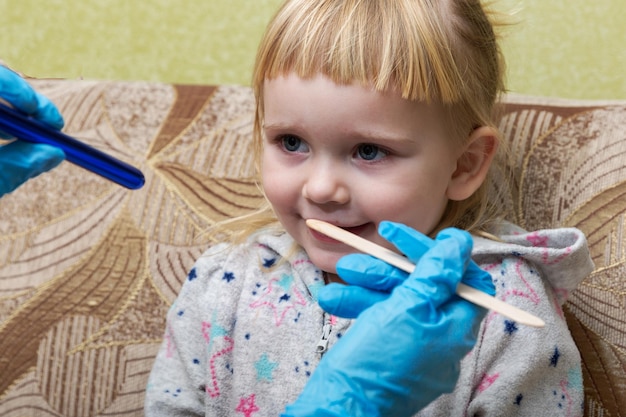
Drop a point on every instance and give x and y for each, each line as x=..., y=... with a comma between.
x=554, y=360
x=510, y=326
x=192, y=275
x=228, y=276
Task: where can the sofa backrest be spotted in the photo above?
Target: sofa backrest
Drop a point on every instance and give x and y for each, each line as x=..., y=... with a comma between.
x=89, y=269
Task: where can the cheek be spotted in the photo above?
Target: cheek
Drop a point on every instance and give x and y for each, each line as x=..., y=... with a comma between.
x=270, y=186
x=276, y=185
x=417, y=207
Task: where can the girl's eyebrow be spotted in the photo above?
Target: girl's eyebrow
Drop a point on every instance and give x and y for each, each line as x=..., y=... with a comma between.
x=375, y=136
x=275, y=126
x=365, y=135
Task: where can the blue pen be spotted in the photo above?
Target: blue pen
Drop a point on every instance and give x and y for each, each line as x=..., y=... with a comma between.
x=29, y=129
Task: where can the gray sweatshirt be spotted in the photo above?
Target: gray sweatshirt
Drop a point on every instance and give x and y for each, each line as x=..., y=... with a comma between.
x=242, y=337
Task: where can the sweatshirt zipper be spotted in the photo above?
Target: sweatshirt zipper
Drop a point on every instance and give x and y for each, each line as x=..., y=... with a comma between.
x=322, y=345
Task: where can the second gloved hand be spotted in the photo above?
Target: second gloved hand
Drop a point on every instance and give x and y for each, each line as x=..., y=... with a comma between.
x=404, y=351
x=20, y=161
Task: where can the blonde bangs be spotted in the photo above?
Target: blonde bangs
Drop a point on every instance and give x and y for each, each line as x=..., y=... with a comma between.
x=370, y=42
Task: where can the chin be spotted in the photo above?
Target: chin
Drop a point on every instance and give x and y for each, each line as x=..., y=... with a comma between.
x=325, y=261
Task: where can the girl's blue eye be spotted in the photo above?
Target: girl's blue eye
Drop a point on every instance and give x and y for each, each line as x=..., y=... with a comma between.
x=370, y=152
x=292, y=143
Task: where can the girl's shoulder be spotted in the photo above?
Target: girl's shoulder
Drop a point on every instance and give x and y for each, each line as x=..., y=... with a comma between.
x=257, y=250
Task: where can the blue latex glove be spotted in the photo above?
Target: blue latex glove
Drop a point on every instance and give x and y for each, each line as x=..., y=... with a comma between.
x=372, y=280
x=20, y=161
x=403, y=352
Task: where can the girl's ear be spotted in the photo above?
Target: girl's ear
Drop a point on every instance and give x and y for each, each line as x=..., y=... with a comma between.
x=473, y=163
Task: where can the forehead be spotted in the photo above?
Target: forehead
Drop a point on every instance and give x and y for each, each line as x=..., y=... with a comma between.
x=322, y=105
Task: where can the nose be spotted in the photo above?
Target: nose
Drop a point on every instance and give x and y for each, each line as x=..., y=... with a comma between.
x=326, y=183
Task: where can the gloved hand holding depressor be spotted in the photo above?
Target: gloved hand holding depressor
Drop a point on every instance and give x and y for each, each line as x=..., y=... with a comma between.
x=372, y=280
x=19, y=160
x=403, y=352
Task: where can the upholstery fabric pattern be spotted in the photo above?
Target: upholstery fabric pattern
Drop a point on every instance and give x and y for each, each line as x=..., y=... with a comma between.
x=88, y=269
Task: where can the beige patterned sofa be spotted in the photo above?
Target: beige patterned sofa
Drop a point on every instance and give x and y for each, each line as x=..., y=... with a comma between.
x=88, y=269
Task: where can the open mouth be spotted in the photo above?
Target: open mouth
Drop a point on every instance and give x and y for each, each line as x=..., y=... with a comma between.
x=357, y=230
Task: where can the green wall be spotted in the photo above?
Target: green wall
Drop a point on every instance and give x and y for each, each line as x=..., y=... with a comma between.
x=567, y=48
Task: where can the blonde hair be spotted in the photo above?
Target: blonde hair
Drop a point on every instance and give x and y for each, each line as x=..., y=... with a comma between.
x=433, y=51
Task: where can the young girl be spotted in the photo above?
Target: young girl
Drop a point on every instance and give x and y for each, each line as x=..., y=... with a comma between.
x=369, y=110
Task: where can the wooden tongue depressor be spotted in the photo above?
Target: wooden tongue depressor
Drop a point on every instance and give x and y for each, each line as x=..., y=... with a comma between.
x=471, y=294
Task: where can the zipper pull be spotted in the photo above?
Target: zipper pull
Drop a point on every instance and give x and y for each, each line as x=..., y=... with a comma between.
x=322, y=345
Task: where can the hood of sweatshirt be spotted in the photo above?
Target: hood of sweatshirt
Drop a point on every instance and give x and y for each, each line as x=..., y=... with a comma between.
x=561, y=255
